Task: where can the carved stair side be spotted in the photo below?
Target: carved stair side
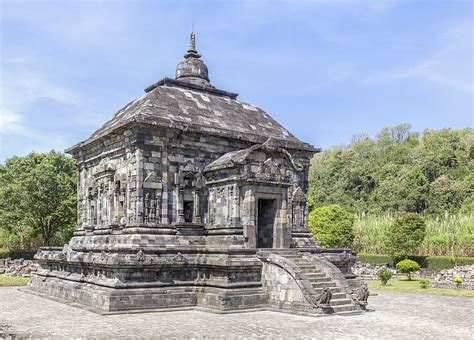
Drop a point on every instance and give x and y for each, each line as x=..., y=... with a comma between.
x=338, y=277
x=297, y=274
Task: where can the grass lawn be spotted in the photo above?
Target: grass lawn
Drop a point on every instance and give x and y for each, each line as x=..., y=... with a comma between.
x=413, y=286
x=7, y=281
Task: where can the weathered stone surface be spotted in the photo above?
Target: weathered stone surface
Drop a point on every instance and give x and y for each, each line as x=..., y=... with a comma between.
x=368, y=271
x=176, y=194
x=17, y=267
x=397, y=316
x=445, y=278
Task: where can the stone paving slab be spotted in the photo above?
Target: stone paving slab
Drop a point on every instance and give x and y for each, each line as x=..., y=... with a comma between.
x=397, y=315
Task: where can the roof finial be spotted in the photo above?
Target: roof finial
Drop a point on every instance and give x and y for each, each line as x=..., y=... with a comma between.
x=192, y=42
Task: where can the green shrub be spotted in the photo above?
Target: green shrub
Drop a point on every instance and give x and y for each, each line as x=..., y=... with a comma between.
x=17, y=254
x=407, y=267
x=376, y=259
x=463, y=261
x=430, y=262
x=332, y=226
x=405, y=236
x=424, y=283
x=446, y=235
x=384, y=275
x=457, y=280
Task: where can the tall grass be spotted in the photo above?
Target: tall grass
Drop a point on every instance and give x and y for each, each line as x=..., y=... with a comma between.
x=448, y=235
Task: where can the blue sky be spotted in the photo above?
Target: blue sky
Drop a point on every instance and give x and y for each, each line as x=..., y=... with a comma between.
x=324, y=69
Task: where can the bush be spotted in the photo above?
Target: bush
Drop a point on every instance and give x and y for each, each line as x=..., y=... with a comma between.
x=405, y=235
x=332, y=226
x=17, y=254
x=446, y=235
x=430, y=262
x=457, y=280
x=376, y=259
x=424, y=283
x=384, y=275
x=407, y=267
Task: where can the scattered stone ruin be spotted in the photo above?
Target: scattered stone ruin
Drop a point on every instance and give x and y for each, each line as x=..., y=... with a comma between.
x=445, y=278
x=189, y=198
x=17, y=267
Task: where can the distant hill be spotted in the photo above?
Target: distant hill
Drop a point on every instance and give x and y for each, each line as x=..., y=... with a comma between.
x=398, y=171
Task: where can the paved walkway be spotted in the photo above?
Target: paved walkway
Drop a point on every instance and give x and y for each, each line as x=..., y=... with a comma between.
x=397, y=315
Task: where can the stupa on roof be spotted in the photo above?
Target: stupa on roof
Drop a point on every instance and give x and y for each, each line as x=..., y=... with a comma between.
x=189, y=198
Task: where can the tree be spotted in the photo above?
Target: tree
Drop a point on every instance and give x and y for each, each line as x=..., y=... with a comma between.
x=447, y=194
x=398, y=133
x=37, y=199
x=332, y=226
x=399, y=171
x=405, y=235
x=407, y=267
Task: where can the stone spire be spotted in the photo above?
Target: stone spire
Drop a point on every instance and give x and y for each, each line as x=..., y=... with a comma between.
x=192, y=69
x=192, y=52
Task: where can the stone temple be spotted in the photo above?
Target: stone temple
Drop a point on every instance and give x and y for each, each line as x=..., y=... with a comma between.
x=189, y=198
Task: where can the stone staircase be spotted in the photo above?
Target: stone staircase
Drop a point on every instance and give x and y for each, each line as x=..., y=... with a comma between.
x=340, y=301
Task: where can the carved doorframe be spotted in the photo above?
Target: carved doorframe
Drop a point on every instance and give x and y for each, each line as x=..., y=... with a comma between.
x=281, y=229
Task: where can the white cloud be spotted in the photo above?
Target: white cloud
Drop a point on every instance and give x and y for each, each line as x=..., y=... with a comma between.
x=21, y=88
x=74, y=22
x=451, y=66
x=11, y=123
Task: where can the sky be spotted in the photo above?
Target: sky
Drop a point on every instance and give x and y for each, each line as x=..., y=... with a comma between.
x=326, y=70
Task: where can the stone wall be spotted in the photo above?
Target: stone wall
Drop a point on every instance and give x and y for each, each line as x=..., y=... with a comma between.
x=445, y=278
x=367, y=271
x=17, y=267
x=282, y=288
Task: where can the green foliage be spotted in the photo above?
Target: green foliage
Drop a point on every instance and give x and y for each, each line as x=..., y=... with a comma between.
x=414, y=287
x=384, y=275
x=399, y=171
x=468, y=205
x=405, y=235
x=407, y=267
x=17, y=254
x=11, y=281
x=430, y=262
x=376, y=258
x=332, y=226
x=457, y=280
x=37, y=200
x=448, y=234
x=424, y=283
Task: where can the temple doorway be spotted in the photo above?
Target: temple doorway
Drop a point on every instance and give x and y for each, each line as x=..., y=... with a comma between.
x=266, y=221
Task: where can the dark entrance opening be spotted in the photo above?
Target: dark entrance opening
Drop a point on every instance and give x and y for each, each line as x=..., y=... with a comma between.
x=266, y=222
x=188, y=211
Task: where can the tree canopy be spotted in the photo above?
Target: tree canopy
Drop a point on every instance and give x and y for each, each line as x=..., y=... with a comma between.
x=37, y=199
x=398, y=171
x=405, y=236
x=332, y=226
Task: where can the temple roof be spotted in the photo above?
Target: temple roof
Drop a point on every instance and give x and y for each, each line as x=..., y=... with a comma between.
x=234, y=158
x=191, y=103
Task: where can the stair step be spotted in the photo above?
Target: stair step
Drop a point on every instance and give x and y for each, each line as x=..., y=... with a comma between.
x=319, y=279
x=315, y=275
x=299, y=261
x=323, y=284
x=334, y=290
x=340, y=302
x=307, y=266
x=337, y=296
x=344, y=308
